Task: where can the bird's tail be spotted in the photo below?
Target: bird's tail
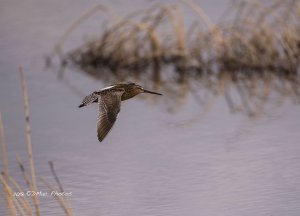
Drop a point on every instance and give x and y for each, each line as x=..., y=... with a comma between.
x=89, y=99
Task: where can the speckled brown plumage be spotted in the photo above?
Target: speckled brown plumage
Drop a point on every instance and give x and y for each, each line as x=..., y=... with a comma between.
x=109, y=100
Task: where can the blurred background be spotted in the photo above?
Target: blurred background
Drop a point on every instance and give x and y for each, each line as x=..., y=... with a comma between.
x=224, y=138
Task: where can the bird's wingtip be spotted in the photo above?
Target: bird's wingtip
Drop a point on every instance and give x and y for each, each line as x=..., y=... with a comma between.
x=81, y=105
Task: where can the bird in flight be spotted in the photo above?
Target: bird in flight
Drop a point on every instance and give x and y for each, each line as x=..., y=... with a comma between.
x=109, y=100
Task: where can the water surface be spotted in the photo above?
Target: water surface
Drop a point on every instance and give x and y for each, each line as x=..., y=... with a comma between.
x=153, y=162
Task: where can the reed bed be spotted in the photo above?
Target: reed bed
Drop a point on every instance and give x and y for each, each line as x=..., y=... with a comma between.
x=26, y=205
x=250, y=58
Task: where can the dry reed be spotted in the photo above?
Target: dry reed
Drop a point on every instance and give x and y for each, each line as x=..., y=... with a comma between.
x=251, y=58
x=21, y=205
x=3, y=146
x=33, y=186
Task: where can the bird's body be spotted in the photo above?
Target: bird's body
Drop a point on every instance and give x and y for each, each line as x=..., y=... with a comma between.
x=109, y=100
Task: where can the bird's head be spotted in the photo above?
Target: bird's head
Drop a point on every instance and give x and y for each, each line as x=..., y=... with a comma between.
x=140, y=89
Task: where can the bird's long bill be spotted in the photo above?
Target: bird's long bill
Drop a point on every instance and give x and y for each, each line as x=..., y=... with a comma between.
x=151, y=92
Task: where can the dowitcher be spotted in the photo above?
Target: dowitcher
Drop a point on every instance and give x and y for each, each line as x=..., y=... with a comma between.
x=109, y=100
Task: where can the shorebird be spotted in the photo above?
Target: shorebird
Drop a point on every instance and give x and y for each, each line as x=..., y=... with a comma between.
x=109, y=100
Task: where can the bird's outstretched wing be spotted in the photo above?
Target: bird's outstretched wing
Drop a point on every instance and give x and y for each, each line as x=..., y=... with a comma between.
x=109, y=108
x=89, y=99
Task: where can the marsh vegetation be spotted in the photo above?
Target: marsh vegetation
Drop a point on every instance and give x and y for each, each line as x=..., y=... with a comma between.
x=251, y=57
x=22, y=195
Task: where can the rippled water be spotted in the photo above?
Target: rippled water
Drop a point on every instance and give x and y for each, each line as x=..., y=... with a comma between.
x=223, y=164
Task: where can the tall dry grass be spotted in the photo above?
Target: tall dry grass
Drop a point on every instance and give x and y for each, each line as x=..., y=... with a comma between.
x=251, y=58
x=26, y=205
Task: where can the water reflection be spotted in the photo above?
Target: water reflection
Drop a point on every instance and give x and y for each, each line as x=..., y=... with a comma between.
x=221, y=165
x=250, y=60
